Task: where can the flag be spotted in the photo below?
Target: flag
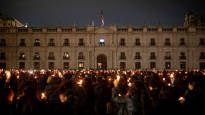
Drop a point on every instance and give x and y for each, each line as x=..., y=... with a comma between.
x=102, y=18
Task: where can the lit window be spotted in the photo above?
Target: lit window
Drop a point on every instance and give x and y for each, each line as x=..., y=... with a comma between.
x=22, y=56
x=37, y=42
x=36, y=56
x=101, y=42
x=66, y=55
x=167, y=65
x=81, y=65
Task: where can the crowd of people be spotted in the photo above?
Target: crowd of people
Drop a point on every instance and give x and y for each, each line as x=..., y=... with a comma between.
x=102, y=92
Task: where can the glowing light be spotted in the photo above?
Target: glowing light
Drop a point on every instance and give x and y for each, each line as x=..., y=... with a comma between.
x=43, y=96
x=17, y=77
x=30, y=72
x=11, y=96
x=60, y=75
x=169, y=84
x=119, y=94
x=129, y=84
x=181, y=100
x=163, y=79
x=80, y=82
x=172, y=78
x=118, y=77
x=63, y=98
x=8, y=76
x=150, y=88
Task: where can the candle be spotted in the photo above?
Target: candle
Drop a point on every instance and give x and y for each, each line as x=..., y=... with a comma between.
x=43, y=96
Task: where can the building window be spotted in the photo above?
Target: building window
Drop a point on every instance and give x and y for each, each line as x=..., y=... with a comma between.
x=101, y=42
x=137, y=65
x=152, y=55
x=122, y=55
x=51, y=56
x=167, y=65
x=21, y=65
x=167, y=42
x=182, y=42
x=36, y=56
x=2, y=65
x=66, y=65
x=22, y=42
x=37, y=42
x=167, y=55
x=182, y=65
x=3, y=42
x=81, y=42
x=137, y=55
x=122, y=42
x=137, y=42
x=51, y=42
x=182, y=55
x=152, y=65
x=66, y=42
x=202, y=65
x=36, y=65
x=201, y=42
x=2, y=56
x=152, y=42
x=51, y=65
x=202, y=55
x=22, y=56
x=122, y=65
x=81, y=65
x=80, y=55
x=66, y=56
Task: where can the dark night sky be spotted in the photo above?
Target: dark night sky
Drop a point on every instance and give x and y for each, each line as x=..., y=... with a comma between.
x=116, y=12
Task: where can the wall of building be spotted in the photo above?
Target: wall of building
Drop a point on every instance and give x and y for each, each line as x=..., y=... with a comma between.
x=112, y=48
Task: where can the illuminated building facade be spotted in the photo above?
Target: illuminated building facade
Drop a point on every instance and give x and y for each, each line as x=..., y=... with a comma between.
x=103, y=47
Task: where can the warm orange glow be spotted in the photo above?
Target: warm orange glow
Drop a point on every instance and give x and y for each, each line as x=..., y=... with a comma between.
x=8, y=76
x=129, y=84
x=80, y=82
x=43, y=96
x=11, y=96
x=62, y=98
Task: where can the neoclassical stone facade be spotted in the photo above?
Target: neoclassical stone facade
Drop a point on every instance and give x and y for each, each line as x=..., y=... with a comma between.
x=105, y=47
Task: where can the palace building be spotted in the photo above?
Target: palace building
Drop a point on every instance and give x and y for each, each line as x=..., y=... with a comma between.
x=103, y=47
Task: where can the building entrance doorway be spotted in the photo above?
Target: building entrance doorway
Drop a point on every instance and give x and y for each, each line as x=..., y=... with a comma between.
x=101, y=61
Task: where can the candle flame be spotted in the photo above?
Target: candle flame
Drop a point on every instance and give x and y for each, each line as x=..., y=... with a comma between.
x=43, y=96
